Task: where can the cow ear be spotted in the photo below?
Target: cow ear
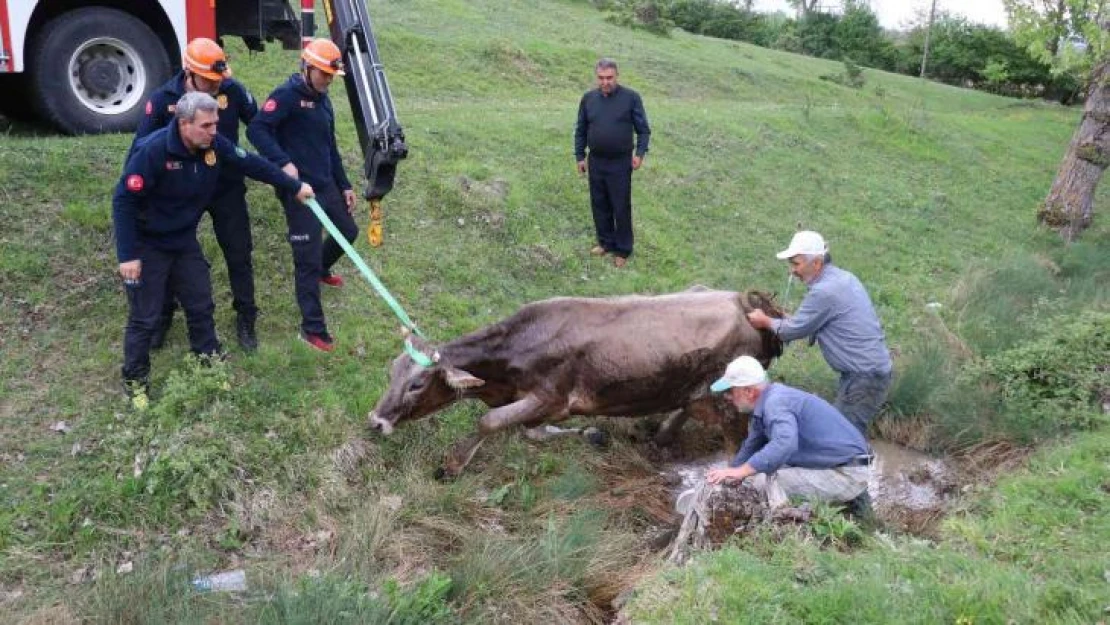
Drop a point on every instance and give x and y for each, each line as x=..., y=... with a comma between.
x=459, y=379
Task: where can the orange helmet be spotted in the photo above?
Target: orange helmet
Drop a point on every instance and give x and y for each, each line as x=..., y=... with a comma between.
x=206, y=58
x=324, y=56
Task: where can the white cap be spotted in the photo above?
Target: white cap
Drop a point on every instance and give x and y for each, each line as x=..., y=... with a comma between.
x=805, y=242
x=744, y=371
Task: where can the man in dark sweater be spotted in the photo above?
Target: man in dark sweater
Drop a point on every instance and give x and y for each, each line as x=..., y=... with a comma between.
x=607, y=118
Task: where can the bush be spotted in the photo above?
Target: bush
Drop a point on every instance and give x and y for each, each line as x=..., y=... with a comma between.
x=1050, y=386
x=852, y=76
x=649, y=15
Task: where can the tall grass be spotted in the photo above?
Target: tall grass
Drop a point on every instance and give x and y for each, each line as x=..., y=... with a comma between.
x=1025, y=358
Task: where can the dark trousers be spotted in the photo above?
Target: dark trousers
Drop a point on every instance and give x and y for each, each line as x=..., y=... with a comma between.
x=860, y=396
x=312, y=255
x=232, y=226
x=186, y=275
x=611, y=200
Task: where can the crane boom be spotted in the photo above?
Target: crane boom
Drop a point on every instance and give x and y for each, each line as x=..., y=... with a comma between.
x=379, y=132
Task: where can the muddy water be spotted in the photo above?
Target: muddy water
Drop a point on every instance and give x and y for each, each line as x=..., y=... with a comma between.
x=901, y=477
x=907, y=478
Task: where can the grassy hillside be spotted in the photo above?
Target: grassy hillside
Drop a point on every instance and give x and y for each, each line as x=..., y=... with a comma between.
x=264, y=463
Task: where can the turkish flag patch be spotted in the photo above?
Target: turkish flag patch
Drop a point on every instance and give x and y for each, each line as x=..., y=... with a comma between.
x=149, y=107
x=270, y=106
x=134, y=183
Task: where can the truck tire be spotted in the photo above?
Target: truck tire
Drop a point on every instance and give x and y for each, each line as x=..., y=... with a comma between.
x=92, y=70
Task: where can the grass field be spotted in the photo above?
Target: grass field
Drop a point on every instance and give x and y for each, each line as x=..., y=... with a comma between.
x=926, y=192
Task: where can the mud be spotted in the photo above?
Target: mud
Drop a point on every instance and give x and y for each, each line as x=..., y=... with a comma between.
x=902, y=479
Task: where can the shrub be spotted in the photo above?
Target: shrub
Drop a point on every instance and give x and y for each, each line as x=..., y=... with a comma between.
x=1052, y=385
x=649, y=15
x=852, y=76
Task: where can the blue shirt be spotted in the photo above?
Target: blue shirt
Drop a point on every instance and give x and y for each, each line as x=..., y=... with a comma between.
x=235, y=102
x=297, y=125
x=790, y=427
x=164, y=188
x=838, y=315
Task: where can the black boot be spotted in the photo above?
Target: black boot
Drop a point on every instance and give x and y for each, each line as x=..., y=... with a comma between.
x=862, y=511
x=158, y=336
x=244, y=328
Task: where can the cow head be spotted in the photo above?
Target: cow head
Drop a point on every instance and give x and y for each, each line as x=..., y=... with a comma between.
x=416, y=391
x=772, y=344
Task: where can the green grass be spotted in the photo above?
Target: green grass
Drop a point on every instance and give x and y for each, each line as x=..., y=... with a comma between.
x=923, y=191
x=1029, y=551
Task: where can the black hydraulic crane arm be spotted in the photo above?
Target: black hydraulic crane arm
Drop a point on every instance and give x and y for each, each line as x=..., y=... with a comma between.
x=379, y=132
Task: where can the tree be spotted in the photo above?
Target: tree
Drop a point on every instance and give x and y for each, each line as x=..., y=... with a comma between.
x=859, y=36
x=803, y=7
x=1072, y=35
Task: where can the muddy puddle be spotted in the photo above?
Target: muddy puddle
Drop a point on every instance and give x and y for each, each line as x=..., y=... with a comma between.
x=901, y=479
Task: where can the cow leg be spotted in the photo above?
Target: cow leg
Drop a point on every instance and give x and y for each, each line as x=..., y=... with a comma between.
x=460, y=455
x=668, y=430
x=716, y=410
x=527, y=410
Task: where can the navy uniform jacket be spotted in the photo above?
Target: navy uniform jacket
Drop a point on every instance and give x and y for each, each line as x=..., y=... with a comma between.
x=164, y=188
x=235, y=102
x=297, y=125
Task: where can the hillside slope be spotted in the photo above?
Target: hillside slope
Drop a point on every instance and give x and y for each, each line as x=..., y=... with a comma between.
x=913, y=183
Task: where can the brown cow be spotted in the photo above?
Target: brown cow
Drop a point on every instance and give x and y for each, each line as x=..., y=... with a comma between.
x=553, y=359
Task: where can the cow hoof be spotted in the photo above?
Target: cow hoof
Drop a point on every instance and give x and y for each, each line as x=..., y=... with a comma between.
x=597, y=438
x=443, y=474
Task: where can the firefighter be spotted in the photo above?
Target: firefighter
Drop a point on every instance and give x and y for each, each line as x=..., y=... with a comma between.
x=205, y=69
x=295, y=129
x=164, y=189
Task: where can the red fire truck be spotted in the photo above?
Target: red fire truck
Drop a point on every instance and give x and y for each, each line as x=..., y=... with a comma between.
x=88, y=66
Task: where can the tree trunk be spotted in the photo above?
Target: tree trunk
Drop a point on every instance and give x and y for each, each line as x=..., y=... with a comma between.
x=1068, y=207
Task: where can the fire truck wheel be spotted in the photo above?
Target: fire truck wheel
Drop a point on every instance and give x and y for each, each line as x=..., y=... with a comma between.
x=92, y=70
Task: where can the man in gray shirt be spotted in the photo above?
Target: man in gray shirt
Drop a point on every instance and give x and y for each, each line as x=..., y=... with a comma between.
x=797, y=444
x=837, y=314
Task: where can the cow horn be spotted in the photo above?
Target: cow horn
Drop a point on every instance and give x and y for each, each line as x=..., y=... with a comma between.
x=405, y=331
x=435, y=356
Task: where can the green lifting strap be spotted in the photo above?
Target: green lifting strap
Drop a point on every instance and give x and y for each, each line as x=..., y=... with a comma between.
x=417, y=356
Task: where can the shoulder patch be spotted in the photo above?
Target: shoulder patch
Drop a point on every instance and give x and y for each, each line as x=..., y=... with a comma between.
x=134, y=183
x=270, y=106
x=221, y=101
x=210, y=158
x=240, y=152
